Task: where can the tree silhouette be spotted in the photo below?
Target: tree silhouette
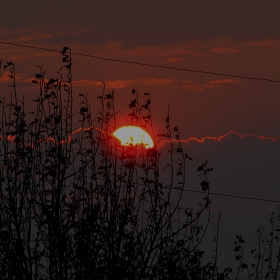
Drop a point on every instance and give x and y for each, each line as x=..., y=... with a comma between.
x=77, y=205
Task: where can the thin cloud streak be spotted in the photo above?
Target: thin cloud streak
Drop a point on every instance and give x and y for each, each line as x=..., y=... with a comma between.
x=225, y=50
x=122, y=83
x=159, y=143
x=263, y=43
x=220, y=138
x=173, y=59
x=182, y=84
x=12, y=138
x=217, y=83
x=29, y=35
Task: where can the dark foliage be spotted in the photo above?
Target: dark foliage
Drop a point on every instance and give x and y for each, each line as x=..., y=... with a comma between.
x=80, y=206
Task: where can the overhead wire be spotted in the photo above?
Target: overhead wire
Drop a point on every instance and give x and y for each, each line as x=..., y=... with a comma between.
x=227, y=195
x=147, y=64
x=170, y=68
x=235, y=196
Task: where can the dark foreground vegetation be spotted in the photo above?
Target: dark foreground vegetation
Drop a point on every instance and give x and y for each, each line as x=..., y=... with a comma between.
x=80, y=206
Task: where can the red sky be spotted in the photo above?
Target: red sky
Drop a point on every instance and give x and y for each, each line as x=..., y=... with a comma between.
x=236, y=37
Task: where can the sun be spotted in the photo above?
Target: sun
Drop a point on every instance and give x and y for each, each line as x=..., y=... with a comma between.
x=133, y=135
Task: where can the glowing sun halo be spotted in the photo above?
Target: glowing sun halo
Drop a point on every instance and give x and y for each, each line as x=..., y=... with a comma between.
x=133, y=135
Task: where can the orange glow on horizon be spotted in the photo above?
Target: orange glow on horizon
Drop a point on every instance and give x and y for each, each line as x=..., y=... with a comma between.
x=12, y=138
x=221, y=137
x=133, y=135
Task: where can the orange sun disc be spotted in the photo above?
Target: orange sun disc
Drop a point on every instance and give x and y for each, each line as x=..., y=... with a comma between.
x=133, y=135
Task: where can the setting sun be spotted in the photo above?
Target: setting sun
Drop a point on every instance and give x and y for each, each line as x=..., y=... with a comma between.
x=133, y=135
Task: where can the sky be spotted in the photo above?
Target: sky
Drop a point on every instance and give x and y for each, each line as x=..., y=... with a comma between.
x=230, y=121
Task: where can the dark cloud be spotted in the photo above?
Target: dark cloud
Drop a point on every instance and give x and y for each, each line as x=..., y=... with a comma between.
x=146, y=22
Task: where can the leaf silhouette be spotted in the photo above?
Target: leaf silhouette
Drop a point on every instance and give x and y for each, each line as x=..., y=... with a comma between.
x=64, y=50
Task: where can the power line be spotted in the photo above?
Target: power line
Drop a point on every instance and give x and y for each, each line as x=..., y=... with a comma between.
x=171, y=68
x=236, y=196
x=228, y=195
x=148, y=64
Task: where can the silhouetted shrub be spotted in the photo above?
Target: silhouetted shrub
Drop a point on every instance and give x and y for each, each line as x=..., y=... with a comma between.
x=77, y=205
